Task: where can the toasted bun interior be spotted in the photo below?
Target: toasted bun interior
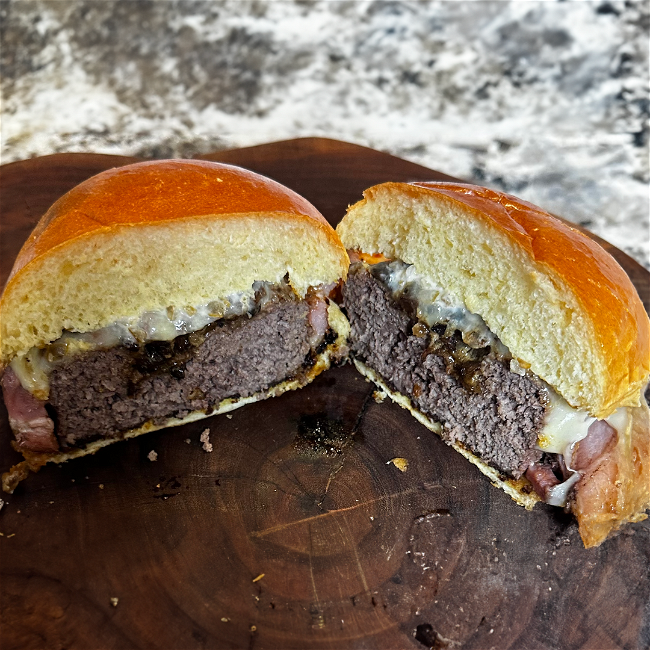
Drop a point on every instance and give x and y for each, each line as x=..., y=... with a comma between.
x=558, y=301
x=153, y=235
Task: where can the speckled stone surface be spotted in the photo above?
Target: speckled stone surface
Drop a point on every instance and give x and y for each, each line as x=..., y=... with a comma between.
x=547, y=100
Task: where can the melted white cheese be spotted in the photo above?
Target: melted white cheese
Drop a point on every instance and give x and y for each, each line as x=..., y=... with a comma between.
x=33, y=369
x=565, y=426
x=563, y=429
x=435, y=305
x=558, y=494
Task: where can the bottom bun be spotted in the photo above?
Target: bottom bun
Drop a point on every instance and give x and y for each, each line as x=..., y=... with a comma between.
x=614, y=493
x=519, y=489
x=334, y=352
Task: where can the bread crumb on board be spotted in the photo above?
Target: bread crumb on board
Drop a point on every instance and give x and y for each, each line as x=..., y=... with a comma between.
x=114, y=601
x=152, y=456
x=205, y=439
x=401, y=463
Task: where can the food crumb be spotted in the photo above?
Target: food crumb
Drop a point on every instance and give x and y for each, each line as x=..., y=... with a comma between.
x=401, y=463
x=152, y=456
x=379, y=396
x=1, y=503
x=224, y=619
x=187, y=441
x=10, y=536
x=114, y=601
x=259, y=577
x=205, y=439
x=101, y=486
x=253, y=628
x=229, y=416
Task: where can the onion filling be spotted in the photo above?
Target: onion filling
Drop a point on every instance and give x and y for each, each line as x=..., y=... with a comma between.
x=34, y=368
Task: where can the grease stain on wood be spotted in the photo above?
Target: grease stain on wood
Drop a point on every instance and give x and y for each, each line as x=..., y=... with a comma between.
x=320, y=435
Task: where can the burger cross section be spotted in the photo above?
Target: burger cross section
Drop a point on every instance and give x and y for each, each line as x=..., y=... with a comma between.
x=515, y=338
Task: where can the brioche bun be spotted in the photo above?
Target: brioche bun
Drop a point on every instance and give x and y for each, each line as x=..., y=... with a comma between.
x=555, y=298
x=154, y=235
x=150, y=235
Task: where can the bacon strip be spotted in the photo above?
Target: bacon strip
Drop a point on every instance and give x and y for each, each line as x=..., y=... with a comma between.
x=354, y=256
x=600, y=436
x=542, y=479
x=32, y=426
x=318, y=316
x=587, y=455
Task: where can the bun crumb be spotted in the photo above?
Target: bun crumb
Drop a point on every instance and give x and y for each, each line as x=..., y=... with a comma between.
x=205, y=440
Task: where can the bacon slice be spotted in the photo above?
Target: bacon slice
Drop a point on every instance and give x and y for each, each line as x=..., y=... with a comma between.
x=32, y=426
x=542, y=478
x=600, y=436
x=354, y=256
x=588, y=454
x=318, y=316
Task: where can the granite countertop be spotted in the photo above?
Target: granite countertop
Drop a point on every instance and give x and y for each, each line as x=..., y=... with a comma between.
x=546, y=100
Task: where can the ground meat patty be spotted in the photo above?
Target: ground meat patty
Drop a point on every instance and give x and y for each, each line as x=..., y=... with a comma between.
x=103, y=392
x=496, y=414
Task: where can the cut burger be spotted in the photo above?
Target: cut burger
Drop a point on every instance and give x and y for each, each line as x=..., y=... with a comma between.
x=516, y=338
x=160, y=293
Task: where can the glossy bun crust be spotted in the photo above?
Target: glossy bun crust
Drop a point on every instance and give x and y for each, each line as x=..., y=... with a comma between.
x=557, y=299
x=154, y=234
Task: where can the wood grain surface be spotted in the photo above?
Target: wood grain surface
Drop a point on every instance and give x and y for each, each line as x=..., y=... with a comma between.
x=297, y=531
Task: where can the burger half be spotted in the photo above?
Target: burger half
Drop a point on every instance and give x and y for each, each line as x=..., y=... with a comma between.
x=516, y=338
x=159, y=293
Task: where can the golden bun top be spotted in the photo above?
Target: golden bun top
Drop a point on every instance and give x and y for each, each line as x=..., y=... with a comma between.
x=156, y=234
x=555, y=297
x=155, y=192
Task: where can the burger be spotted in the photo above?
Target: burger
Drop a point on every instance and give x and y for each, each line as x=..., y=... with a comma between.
x=513, y=336
x=160, y=293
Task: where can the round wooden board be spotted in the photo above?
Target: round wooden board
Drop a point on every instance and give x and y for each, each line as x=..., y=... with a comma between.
x=296, y=531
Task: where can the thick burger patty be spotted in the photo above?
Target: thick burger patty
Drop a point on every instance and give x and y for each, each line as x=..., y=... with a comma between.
x=103, y=392
x=481, y=404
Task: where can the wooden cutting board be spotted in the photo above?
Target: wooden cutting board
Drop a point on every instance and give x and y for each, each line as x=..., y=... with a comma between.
x=297, y=531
